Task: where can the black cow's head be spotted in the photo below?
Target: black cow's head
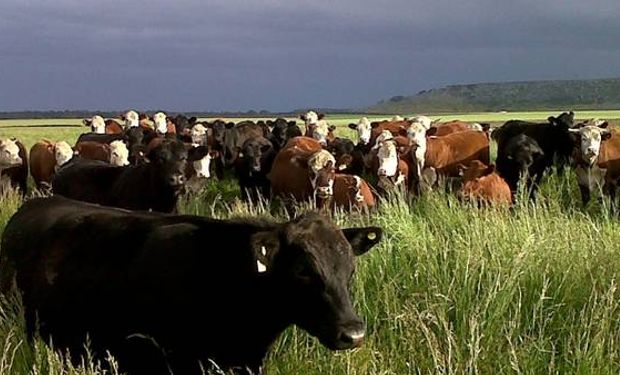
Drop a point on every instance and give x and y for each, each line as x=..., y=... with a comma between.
x=313, y=261
x=282, y=131
x=218, y=128
x=342, y=149
x=253, y=153
x=169, y=160
x=563, y=139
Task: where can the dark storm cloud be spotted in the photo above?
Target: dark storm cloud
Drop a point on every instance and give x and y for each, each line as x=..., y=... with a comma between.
x=279, y=55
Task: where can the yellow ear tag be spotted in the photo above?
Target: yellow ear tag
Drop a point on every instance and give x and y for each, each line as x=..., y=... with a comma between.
x=371, y=236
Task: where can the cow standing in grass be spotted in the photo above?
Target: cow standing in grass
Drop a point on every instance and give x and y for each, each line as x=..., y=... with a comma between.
x=597, y=160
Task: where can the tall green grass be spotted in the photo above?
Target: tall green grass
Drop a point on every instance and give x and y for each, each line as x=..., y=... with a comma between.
x=451, y=289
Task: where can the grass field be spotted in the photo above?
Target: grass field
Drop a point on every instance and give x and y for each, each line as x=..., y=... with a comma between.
x=452, y=289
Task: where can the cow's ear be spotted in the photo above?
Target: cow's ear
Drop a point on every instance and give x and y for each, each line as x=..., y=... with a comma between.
x=197, y=153
x=321, y=115
x=363, y=239
x=331, y=128
x=605, y=135
x=302, y=116
x=604, y=125
x=485, y=126
x=552, y=120
x=461, y=168
x=230, y=125
x=265, y=245
x=352, y=126
x=431, y=131
x=374, y=124
x=270, y=123
x=86, y=122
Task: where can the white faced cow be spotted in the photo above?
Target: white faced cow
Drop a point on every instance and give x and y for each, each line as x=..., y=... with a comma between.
x=161, y=122
x=363, y=130
x=132, y=119
x=97, y=124
x=9, y=154
x=62, y=154
x=119, y=153
x=596, y=159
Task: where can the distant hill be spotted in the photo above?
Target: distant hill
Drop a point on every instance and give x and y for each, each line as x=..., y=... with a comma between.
x=509, y=96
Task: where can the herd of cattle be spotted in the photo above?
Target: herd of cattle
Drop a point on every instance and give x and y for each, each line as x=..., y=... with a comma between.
x=181, y=293
x=145, y=164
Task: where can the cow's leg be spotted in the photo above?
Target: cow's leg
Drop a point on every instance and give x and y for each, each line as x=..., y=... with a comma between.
x=585, y=194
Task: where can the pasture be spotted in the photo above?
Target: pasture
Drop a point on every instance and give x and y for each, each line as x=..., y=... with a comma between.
x=451, y=289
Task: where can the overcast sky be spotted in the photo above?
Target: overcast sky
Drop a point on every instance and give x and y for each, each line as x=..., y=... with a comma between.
x=287, y=54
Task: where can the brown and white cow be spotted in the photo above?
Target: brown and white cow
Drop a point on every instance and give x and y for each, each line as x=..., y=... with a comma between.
x=290, y=175
x=345, y=191
x=115, y=153
x=596, y=159
x=311, y=119
x=392, y=170
x=483, y=185
x=163, y=125
x=13, y=165
x=131, y=119
x=100, y=126
x=434, y=156
x=46, y=157
x=363, y=129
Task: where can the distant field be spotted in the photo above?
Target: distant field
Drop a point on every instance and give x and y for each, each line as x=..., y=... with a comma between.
x=452, y=289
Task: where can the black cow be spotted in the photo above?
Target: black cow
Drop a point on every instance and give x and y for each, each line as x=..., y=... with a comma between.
x=349, y=157
x=252, y=167
x=553, y=138
x=155, y=185
x=521, y=156
x=159, y=291
x=234, y=138
x=282, y=131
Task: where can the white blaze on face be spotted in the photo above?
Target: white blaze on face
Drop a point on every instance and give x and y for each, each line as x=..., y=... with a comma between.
x=423, y=120
x=132, y=119
x=62, y=153
x=161, y=125
x=363, y=130
x=397, y=118
x=199, y=135
x=202, y=166
x=476, y=126
x=326, y=191
x=9, y=153
x=359, y=197
x=97, y=124
x=591, y=139
x=119, y=154
x=311, y=118
x=318, y=161
x=320, y=132
x=388, y=159
x=384, y=136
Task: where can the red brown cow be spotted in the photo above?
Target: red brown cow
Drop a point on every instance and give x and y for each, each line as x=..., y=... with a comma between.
x=434, y=156
x=483, y=185
x=46, y=157
x=13, y=165
x=341, y=190
x=398, y=127
x=290, y=174
x=439, y=130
